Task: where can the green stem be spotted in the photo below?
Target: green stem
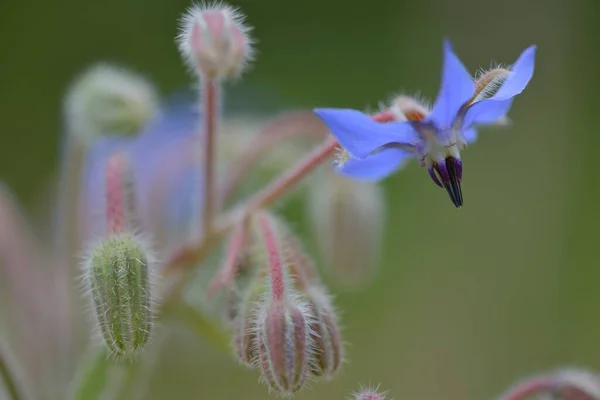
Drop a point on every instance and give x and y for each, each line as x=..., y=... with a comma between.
x=9, y=378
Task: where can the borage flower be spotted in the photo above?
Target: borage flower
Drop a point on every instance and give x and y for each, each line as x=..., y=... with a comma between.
x=373, y=150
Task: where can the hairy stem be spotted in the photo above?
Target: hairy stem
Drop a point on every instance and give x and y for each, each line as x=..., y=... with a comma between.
x=266, y=229
x=210, y=118
x=290, y=178
x=287, y=126
x=263, y=198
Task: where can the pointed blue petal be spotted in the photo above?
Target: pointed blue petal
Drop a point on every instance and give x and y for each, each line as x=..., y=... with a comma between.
x=375, y=167
x=490, y=110
x=470, y=135
x=360, y=135
x=457, y=88
x=521, y=74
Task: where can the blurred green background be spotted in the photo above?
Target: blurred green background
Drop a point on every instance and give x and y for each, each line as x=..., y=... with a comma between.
x=466, y=301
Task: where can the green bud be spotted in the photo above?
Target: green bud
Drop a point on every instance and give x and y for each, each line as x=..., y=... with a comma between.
x=107, y=99
x=119, y=283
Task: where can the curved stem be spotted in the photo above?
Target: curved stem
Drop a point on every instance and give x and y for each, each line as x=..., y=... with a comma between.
x=264, y=198
x=287, y=126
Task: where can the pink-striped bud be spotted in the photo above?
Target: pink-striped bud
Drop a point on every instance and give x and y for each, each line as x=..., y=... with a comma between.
x=244, y=323
x=214, y=41
x=283, y=343
x=325, y=333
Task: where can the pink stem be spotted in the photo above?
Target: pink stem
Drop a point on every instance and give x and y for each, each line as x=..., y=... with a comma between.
x=210, y=117
x=263, y=198
x=229, y=269
x=291, y=177
x=274, y=259
x=286, y=126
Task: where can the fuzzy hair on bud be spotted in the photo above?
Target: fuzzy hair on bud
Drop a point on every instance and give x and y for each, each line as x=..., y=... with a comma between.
x=118, y=274
x=369, y=394
x=406, y=108
x=107, y=99
x=325, y=333
x=488, y=83
x=244, y=323
x=284, y=345
x=347, y=218
x=214, y=41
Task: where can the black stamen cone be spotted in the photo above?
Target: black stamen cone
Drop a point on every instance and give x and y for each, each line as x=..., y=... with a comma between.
x=452, y=185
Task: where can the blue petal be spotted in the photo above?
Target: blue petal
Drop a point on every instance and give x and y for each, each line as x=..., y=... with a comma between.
x=490, y=110
x=457, y=88
x=470, y=135
x=184, y=203
x=360, y=135
x=376, y=167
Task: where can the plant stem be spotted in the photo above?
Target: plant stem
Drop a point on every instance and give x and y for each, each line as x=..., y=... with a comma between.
x=291, y=177
x=8, y=376
x=264, y=198
x=287, y=126
x=210, y=117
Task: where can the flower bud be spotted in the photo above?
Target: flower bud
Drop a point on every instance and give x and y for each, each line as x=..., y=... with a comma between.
x=214, y=41
x=325, y=334
x=108, y=100
x=578, y=384
x=406, y=108
x=118, y=278
x=369, y=394
x=283, y=344
x=488, y=83
x=244, y=323
x=347, y=223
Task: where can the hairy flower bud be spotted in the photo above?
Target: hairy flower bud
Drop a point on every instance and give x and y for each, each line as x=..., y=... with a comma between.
x=488, y=83
x=244, y=322
x=347, y=223
x=369, y=394
x=214, y=41
x=325, y=333
x=118, y=277
x=108, y=100
x=283, y=343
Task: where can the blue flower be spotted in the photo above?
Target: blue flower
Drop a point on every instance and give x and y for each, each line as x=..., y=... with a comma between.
x=375, y=146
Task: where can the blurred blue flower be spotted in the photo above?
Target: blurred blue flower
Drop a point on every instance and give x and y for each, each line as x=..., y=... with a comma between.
x=373, y=150
x=163, y=162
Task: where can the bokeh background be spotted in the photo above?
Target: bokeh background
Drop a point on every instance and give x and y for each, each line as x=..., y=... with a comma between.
x=465, y=301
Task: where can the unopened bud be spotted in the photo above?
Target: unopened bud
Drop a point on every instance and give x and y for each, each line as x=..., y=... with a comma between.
x=369, y=394
x=488, y=83
x=108, y=100
x=347, y=223
x=244, y=323
x=284, y=345
x=567, y=384
x=578, y=384
x=118, y=277
x=406, y=108
x=214, y=41
x=325, y=334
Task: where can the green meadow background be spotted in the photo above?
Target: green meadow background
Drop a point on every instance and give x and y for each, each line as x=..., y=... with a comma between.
x=466, y=301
